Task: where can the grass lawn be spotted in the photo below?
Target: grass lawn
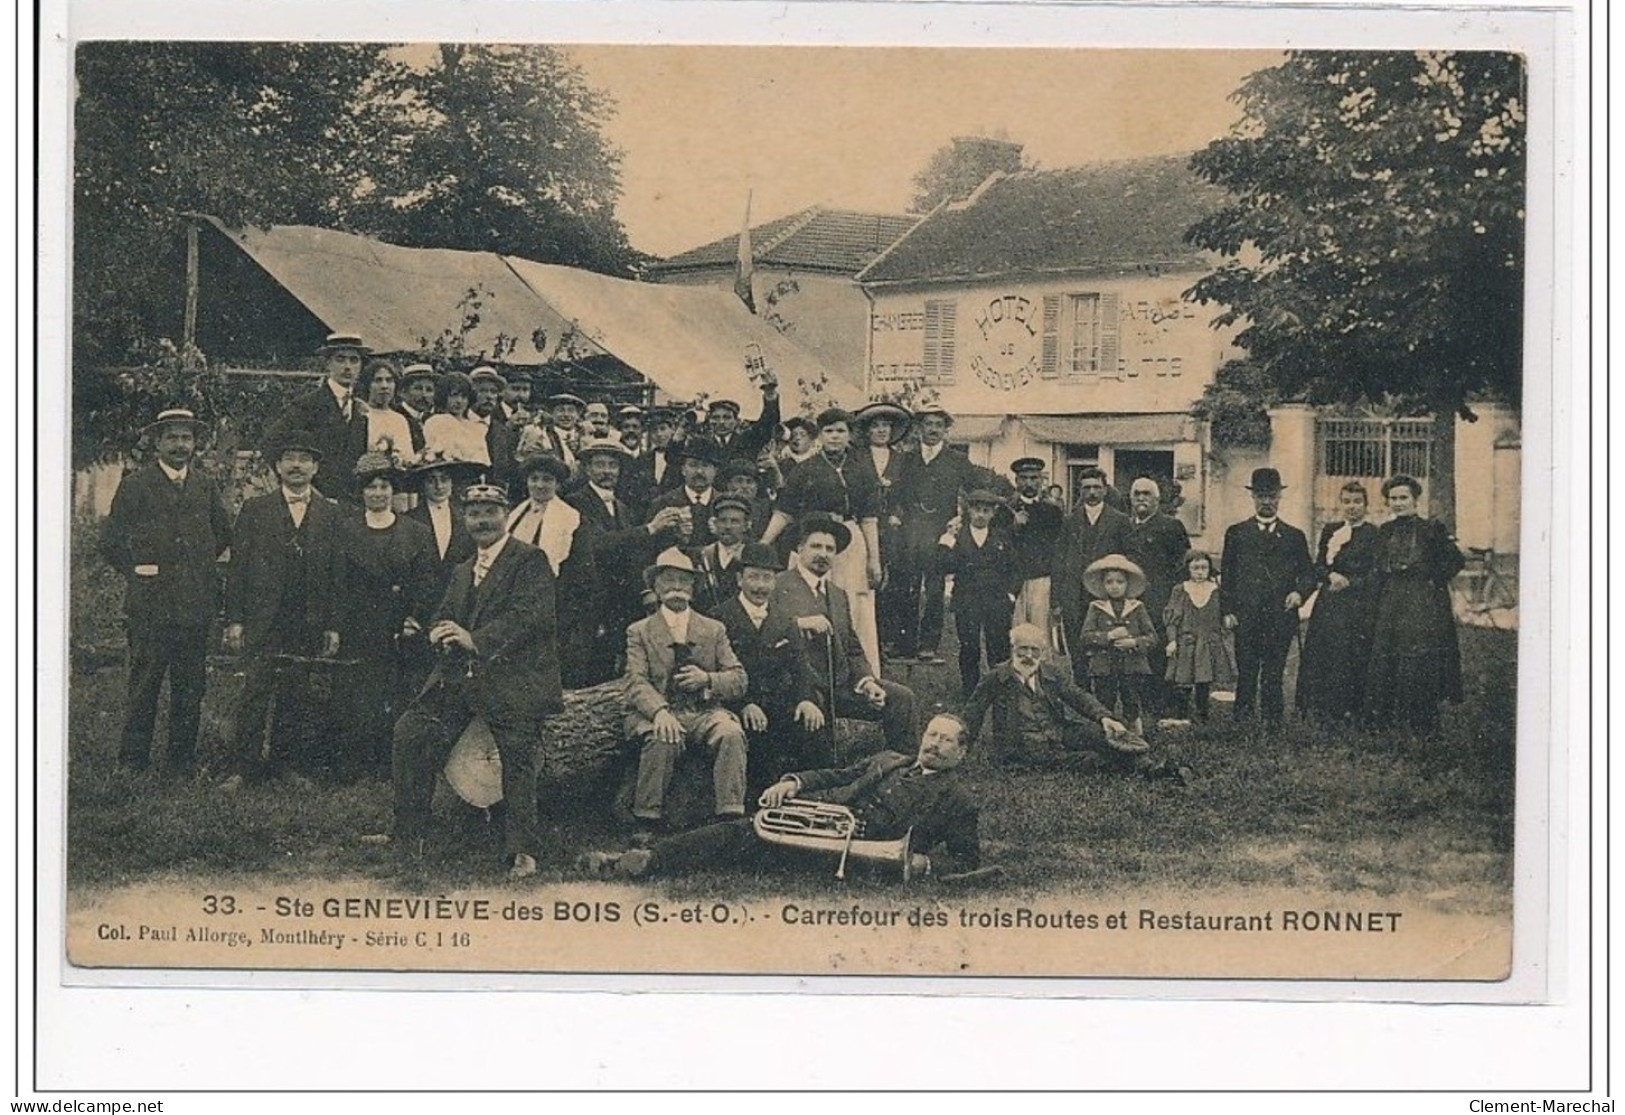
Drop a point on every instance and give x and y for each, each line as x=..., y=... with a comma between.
x=1329, y=809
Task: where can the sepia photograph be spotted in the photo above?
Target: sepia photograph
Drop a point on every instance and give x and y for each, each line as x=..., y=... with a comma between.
x=797, y=510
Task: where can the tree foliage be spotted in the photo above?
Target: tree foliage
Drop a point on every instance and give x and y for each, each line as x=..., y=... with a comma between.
x=477, y=148
x=958, y=167
x=1374, y=239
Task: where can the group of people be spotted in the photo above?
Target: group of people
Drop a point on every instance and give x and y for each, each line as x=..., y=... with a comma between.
x=434, y=551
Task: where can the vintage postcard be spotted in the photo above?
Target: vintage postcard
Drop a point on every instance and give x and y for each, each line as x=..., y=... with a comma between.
x=770, y=510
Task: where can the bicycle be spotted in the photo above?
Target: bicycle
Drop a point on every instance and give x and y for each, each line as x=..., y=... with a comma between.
x=1481, y=594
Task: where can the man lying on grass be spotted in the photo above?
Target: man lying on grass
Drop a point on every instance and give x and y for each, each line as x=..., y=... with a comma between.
x=1041, y=716
x=889, y=795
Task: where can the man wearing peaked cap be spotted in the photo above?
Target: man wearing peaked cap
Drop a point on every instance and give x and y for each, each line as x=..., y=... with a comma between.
x=1036, y=531
x=496, y=634
x=680, y=670
x=718, y=562
x=1267, y=575
x=733, y=439
x=166, y=529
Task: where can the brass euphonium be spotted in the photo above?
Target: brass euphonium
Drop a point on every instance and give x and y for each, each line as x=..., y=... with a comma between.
x=825, y=827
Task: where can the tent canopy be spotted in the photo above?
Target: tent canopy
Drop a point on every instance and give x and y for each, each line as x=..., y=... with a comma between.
x=687, y=340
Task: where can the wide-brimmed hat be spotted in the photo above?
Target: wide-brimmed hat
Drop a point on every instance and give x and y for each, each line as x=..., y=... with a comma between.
x=295, y=440
x=434, y=460
x=811, y=524
x=698, y=449
x=735, y=502
x=1028, y=464
x=374, y=464
x=1094, y=576
x=484, y=492
x=175, y=416
x=343, y=342
x=549, y=462
x=899, y=418
x=759, y=555
x=603, y=445
x=565, y=397
x=474, y=767
x=672, y=558
x=1266, y=480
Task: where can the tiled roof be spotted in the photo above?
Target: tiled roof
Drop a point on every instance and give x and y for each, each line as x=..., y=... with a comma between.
x=816, y=239
x=1099, y=217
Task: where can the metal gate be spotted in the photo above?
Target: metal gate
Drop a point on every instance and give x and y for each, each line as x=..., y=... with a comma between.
x=1369, y=450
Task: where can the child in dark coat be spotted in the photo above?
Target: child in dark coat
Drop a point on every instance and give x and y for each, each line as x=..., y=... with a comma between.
x=982, y=558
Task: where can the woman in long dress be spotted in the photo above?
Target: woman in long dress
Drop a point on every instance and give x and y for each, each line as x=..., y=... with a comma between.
x=1337, y=646
x=389, y=584
x=838, y=483
x=1415, y=657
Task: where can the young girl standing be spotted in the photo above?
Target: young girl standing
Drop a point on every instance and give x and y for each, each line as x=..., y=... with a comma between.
x=1118, y=633
x=1199, y=653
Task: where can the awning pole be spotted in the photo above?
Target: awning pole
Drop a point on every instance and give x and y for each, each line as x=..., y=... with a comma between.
x=189, y=325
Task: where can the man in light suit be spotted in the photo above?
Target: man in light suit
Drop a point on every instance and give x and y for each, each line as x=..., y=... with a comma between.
x=679, y=671
x=1267, y=575
x=497, y=634
x=1092, y=531
x=805, y=606
x=164, y=533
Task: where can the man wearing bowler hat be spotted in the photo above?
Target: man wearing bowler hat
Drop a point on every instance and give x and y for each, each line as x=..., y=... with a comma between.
x=331, y=417
x=281, y=605
x=166, y=530
x=699, y=458
x=496, y=638
x=1267, y=575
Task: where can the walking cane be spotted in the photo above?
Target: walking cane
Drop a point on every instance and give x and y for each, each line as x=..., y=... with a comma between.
x=829, y=661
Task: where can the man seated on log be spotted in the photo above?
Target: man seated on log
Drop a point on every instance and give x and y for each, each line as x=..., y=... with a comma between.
x=779, y=709
x=679, y=671
x=1041, y=716
x=889, y=794
x=497, y=637
x=807, y=607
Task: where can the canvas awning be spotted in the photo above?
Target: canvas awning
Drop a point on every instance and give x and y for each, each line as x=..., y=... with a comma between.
x=687, y=341
x=976, y=427
x=1110, y=429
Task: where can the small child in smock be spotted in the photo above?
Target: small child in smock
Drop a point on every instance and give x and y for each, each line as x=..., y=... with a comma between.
x=1118, y=634
x=1200, y=653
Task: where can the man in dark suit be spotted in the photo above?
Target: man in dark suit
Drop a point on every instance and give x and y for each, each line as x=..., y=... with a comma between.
x=166, y=530
x=717, y=564
x=889, y=793
x=777, y=709
x=329, y=417
x=734, y=441
x=618, y=544
x=806, y=606
x=281, y=597
x=982, y=558
x=1035, y=528
x=1267, y=574
x=1156, y=542
x=501, y=439
x=1091, y=532
x=924, y=502
x=497, y=634
x=416, y=400
x=698, y=458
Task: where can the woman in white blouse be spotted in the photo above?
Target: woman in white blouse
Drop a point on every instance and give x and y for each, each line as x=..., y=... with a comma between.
x=453, y=430
x=542, y=520
x=387, y=430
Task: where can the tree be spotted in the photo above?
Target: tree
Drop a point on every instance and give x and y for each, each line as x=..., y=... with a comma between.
x=498, y=148
x=1374, y=236
x=958, y=167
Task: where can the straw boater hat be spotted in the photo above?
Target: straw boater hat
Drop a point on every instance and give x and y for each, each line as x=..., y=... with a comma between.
x=608, y=445
x=343, y=342
x=899, y=418
x=672, y=558
x=925, y=412
x=826, y=525
x=565, y=397
x=1094, y=576
x=630, y=410
x=486, y=372
x=415, y=372
x=474, y=767
x=174, y=416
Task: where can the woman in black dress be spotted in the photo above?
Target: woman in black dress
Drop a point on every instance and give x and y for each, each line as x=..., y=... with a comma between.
x=1415, y=658
x=1337, y=646
x=388, y=589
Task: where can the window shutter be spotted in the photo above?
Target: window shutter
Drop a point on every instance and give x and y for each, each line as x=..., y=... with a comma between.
x=1108, y=337
x=1051, y=366
x=938, y=362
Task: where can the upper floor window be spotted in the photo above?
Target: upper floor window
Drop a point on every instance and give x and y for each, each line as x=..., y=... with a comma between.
x=1081, y=337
